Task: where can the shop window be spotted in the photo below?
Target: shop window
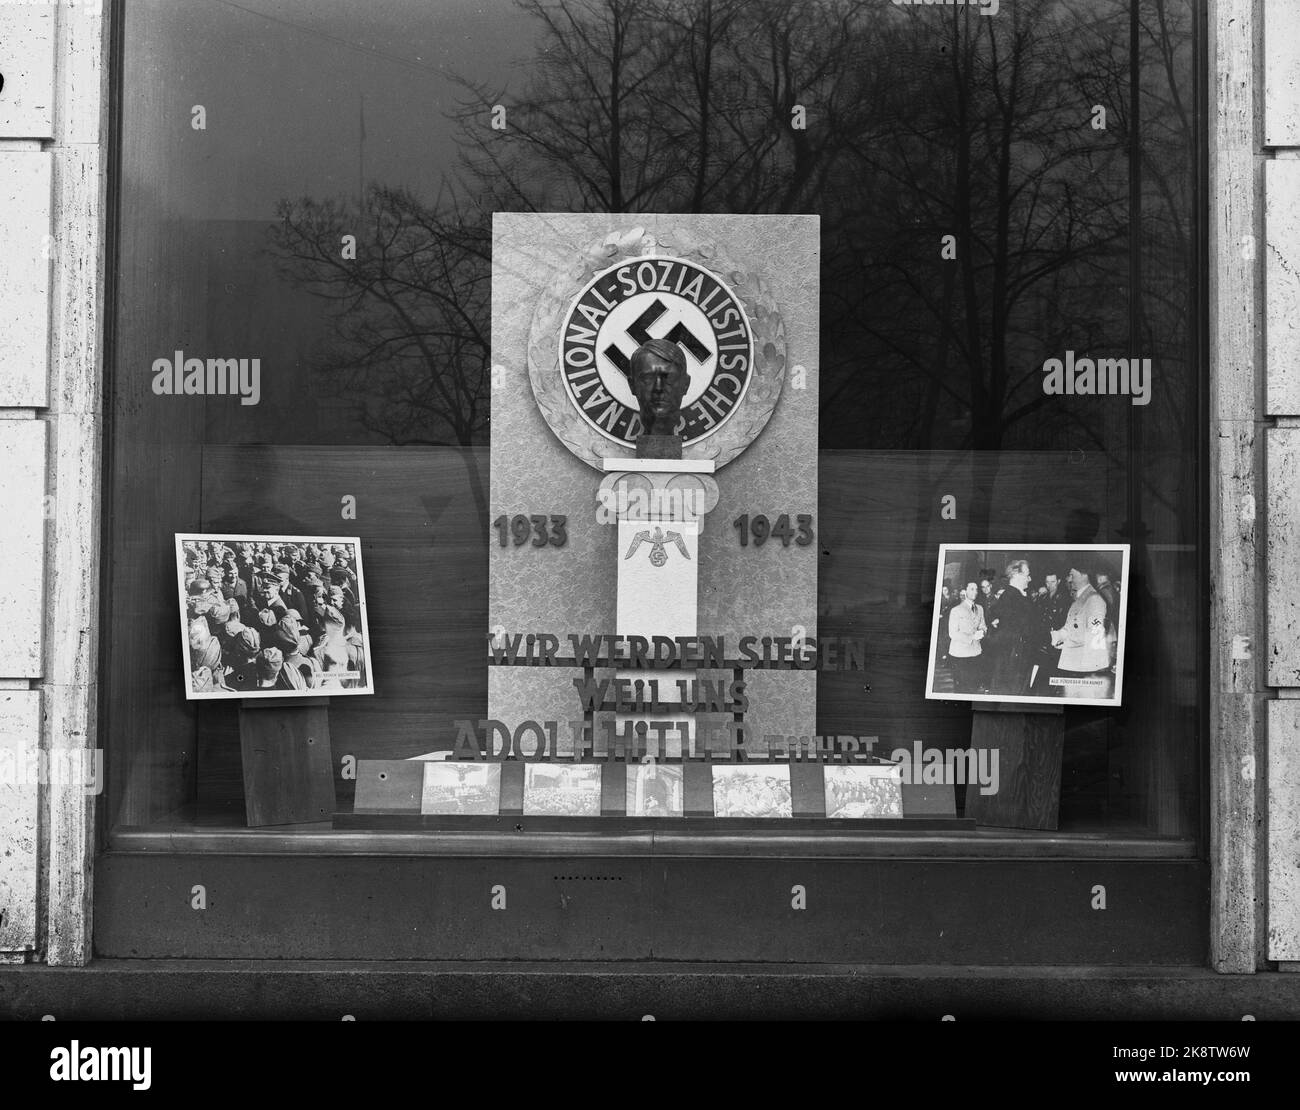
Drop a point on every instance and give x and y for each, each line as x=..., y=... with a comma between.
x=998, y=309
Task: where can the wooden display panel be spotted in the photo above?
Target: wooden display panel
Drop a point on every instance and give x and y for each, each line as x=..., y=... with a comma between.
x=288, y=776
x=1030, y=746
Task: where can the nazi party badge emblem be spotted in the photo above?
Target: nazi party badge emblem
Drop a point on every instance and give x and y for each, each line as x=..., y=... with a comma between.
x=631, y=289
x=656, y=298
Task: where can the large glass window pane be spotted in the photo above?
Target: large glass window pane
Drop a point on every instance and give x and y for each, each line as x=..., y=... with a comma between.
x=310, y=186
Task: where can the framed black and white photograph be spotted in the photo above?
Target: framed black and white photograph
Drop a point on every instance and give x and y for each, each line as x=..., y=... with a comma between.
x=1029, y=623
x=272, y=616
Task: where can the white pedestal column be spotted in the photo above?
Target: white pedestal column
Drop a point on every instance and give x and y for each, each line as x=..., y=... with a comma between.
x=659, y=506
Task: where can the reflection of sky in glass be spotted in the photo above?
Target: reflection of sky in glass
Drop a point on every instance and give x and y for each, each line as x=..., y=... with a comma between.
x=283, y=84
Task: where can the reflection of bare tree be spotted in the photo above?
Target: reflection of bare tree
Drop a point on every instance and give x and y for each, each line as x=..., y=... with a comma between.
x=586, y=127
x=920, y=123
x=675, y=105
x=987, y=143
x=1160, y=142
x=409, y=285
x=410, y=311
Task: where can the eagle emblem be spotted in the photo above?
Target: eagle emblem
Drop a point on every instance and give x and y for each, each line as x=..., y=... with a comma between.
x=658, y=556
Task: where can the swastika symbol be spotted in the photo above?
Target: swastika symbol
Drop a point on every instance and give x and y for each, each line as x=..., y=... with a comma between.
x=639, y=331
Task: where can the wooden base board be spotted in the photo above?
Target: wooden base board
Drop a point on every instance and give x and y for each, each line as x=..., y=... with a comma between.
x=1029, y=748
x=288, y=768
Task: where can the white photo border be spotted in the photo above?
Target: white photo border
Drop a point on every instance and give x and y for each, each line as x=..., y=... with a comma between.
x=263, y=537
x=1121, y=631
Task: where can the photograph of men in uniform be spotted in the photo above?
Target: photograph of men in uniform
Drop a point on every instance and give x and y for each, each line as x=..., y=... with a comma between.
x=1062, y=642
x=1052, y=601
x=1085, y=661
x=265, y=635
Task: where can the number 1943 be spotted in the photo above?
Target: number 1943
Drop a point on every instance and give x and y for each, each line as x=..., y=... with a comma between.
x=761, y=529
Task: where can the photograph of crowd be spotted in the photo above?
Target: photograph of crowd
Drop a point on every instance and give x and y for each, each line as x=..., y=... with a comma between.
x=554, y=790
x=863, y=792
x=272, y=616
x=1029, y=623
x=461, y=789
x=751, y=790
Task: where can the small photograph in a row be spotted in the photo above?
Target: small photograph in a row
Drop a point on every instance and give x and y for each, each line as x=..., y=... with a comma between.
x=654, y=789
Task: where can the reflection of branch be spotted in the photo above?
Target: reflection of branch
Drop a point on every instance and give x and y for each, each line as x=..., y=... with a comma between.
x=409, y=321
x=684, y=105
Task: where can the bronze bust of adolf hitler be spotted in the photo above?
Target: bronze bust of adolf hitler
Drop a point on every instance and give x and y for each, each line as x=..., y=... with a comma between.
x=659, y=379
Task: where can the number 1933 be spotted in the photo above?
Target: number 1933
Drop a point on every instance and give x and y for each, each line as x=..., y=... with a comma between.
x=544, y=530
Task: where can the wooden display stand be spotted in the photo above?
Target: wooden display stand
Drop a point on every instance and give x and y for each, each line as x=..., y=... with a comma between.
x=1030, y=742
x=288, y=768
